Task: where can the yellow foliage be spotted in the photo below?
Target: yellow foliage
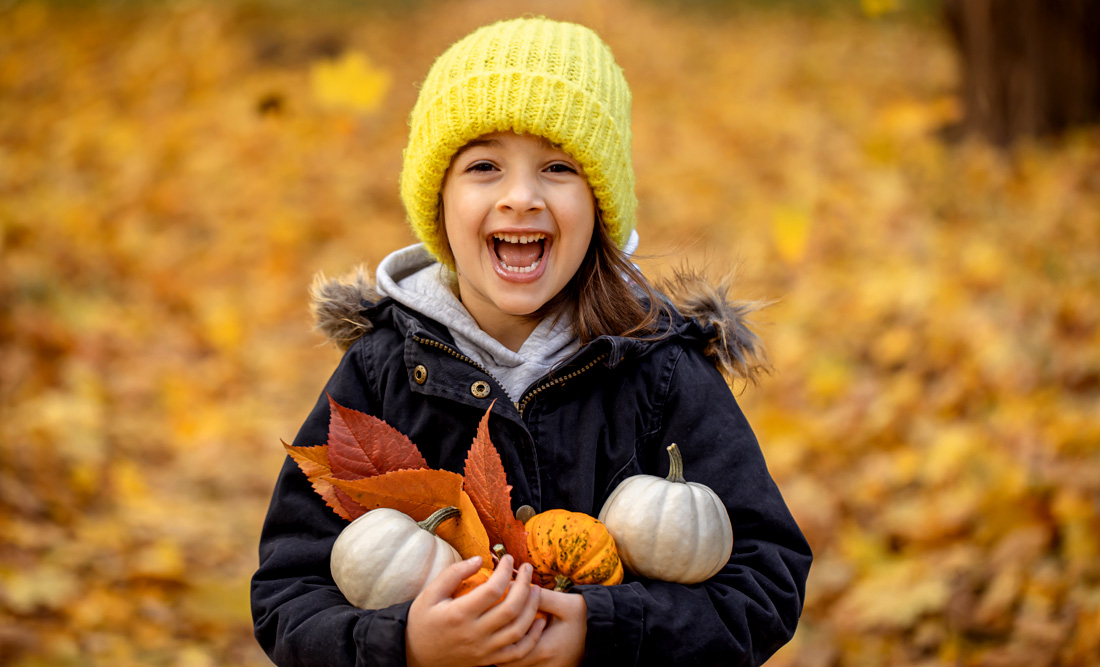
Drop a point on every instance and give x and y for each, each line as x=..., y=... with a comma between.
x=791, y=229
x=876, y=8
x=351, y=81
x=46, y=587
x=170, y=181
x=129, y=483
x=160, y=560
x=893, y=596
x=1080, y=525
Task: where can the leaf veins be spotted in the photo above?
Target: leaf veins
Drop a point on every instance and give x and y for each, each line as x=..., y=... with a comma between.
x=488, y=488
x=362, y=445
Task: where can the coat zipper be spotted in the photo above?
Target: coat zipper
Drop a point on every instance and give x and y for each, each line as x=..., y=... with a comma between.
x=458, y=355
x=556, y=381
x=531, y=394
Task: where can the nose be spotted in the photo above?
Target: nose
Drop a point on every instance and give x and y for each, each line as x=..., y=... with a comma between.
x=521, y=193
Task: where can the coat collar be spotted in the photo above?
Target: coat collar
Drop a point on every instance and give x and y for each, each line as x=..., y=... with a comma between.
x=348, y=307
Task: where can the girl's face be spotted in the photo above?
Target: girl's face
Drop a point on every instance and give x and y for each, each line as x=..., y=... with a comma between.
x=519, y=216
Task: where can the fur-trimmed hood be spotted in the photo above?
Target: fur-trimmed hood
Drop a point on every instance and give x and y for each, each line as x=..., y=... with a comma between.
x=339, y=304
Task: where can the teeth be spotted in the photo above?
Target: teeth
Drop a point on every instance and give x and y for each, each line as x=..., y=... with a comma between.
x=519, y=238
x=522, y=269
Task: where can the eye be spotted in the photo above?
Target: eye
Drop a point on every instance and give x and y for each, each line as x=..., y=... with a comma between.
x=561, y=168
x=481, y=165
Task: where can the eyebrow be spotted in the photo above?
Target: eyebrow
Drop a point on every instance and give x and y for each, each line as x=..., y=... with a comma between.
x=495, y=143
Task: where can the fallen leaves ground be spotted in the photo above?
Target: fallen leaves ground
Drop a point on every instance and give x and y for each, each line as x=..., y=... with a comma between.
x=172, y=176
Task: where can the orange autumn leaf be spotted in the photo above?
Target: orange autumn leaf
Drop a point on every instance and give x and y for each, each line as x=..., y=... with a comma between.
x=362, y=445
x=488, y=487
x=419, y=493
x=314, y=462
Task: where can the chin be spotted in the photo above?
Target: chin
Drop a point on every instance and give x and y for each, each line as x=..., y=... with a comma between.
x=521, y=307
x=520, y=310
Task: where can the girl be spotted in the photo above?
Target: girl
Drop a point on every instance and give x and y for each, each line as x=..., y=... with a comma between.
x=518, y=181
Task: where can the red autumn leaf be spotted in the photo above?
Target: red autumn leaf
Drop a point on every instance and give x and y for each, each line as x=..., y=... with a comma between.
x=488, y=487
x=314, y=462
x=419, y=493
x=361, y=445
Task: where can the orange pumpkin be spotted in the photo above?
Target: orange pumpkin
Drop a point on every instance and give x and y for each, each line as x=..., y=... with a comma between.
x=572, y=548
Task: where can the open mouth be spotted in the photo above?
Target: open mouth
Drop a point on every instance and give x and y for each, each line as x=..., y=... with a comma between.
x=519, y=253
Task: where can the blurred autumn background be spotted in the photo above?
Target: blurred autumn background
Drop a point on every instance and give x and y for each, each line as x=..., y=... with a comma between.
x=173, y=174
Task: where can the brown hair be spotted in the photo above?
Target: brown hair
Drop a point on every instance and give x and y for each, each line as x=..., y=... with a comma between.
x=608, y=295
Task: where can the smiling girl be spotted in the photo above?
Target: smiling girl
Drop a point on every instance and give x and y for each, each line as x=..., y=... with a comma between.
x=519, y=220
x=519, y=184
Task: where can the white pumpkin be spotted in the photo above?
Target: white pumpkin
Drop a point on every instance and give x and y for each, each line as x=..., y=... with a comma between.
x=385, y=557
x=668, y=528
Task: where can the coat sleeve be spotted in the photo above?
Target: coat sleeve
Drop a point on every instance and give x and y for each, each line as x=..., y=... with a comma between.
x=300, y=617
x=746, y=612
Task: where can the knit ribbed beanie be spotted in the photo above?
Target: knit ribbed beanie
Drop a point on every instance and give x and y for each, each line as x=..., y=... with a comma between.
x=531, y=76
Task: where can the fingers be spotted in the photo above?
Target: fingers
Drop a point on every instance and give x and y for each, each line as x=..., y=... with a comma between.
x=515, y=654
x=494, y=622
x=483, y=597
x=509, y=621
x=562, y=605
x=552, y=602
x=564, y=637
x=515, y=598
x=448, y=580
x=525, y=602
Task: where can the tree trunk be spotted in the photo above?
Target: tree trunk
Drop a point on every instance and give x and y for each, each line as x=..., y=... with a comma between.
x=1029, y=67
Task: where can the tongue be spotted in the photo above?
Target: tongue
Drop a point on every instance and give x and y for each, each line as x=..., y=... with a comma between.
x=518, y=255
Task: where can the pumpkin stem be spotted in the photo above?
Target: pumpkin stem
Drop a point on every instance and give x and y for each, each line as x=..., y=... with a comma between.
x=562, y=583
x=675, y=465
x=439, y=516
x=524, y=513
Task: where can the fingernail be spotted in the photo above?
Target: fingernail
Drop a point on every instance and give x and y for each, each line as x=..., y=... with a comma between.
x=474, y=559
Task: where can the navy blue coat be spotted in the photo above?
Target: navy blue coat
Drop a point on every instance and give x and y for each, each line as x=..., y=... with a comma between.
x=606, y=414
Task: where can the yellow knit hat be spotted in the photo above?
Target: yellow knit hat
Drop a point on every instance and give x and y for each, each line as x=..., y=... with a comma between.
x=531, y=76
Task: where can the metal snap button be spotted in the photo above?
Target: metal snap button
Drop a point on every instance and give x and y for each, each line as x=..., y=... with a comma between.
x=420, y=374
x=480, y=389
x=524, y=513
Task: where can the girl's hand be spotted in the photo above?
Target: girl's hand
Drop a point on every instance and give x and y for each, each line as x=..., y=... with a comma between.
x=562, y=643
x=474, y=629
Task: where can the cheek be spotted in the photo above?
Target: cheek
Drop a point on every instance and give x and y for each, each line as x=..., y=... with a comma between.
x=585, y=224
x=457, y=225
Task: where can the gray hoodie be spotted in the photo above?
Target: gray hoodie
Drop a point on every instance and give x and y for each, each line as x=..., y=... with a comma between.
x=411, y=277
